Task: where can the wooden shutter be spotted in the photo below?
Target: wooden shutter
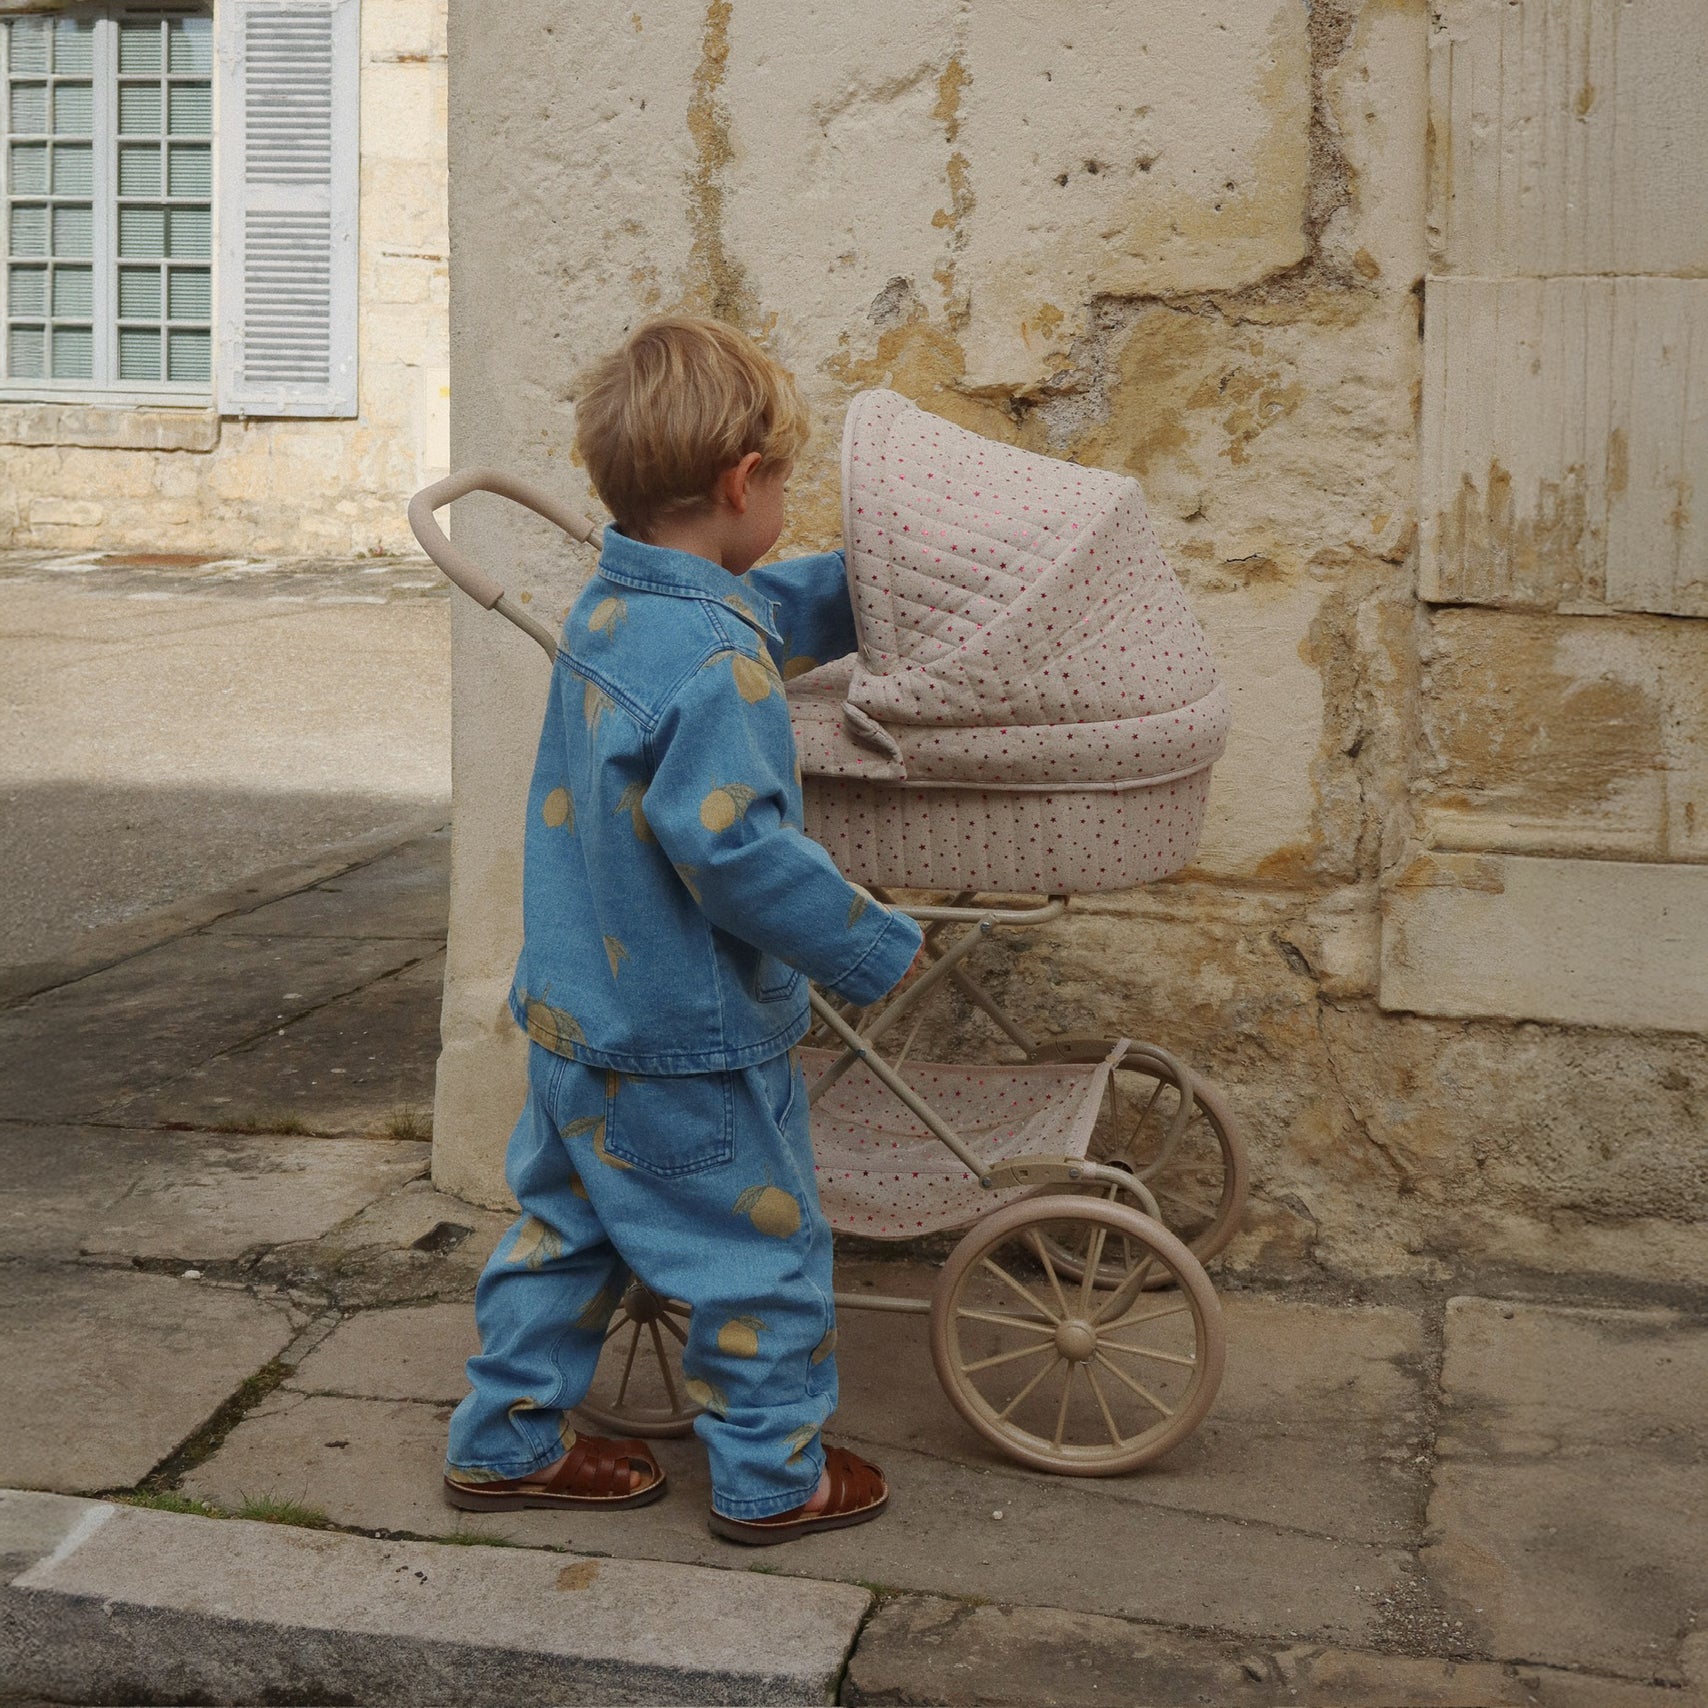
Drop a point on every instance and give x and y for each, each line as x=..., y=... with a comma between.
x=288, y=139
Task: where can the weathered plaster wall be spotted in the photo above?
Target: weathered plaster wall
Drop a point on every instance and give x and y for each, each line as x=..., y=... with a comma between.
x=1186, y=241
x=73, y=477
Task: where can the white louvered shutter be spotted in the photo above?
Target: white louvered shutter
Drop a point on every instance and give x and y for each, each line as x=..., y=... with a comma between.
x=288, y=139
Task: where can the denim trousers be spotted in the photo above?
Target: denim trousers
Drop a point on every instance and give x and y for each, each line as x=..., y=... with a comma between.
x=702, y=1186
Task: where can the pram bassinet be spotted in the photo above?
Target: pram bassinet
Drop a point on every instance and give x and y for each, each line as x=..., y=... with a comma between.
x=1032, y=707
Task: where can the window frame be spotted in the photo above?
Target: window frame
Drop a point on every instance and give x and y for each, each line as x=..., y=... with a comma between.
x=104, y=199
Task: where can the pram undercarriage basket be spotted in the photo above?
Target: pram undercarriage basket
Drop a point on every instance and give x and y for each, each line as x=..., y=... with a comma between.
x=1069, y=1326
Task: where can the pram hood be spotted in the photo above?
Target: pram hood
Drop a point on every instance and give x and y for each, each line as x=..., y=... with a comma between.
x=1018, y=626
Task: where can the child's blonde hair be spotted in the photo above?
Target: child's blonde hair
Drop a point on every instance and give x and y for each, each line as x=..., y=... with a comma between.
x=659, y=419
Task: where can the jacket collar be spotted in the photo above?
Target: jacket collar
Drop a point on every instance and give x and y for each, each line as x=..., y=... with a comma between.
x=659, y=569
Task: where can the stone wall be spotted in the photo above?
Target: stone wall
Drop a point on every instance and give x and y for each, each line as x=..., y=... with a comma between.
x=1191, y=243
x=178, y=480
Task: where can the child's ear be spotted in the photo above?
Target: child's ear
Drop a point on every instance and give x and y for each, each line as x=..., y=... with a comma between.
x=733, y=483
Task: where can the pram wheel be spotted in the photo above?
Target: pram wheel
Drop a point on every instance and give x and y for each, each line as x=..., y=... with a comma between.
x=638, y=1388
x=1198, y=1174
x=1068, y=1376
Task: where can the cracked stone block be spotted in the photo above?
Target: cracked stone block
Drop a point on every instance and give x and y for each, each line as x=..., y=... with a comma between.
x=72, y=1051
x=1569, y=1520
x=917, y=1649
x=1104, y=1546
x=108, y=1371
x=361, y=1064
x=208, y=1197
x=404, y=1354
x=401, y=894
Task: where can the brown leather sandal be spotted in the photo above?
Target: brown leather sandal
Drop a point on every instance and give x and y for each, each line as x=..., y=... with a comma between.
x=595, y=1472
x=858, y=1493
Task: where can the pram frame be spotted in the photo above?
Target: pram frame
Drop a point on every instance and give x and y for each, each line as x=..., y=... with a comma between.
x=1065, y=1173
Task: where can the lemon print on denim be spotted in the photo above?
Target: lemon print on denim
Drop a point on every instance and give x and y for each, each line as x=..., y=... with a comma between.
x=593, y=1127
x=688, y=875
x=754, y=680
x=472, y=1476
x=523, y=1404
x=595, y=702
x=536, y=1244
x=632, y=801
x=615, y=953
x=799, y=1441
x=559, y=808
x=597, y=1311
x=737, y=603
x=771, y=1210
x=556, y=1028
x=739, y=1337
x=704, y=1394
x=824, y=1348
x=566, y=1432
x=723, y=806
x=793, y=667
x=607, y=614
x=578, y=1187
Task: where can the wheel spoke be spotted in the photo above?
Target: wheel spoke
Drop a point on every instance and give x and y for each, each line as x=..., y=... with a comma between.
x=1145, y=1113
x=1062, y=1409
x=1002, y=1415
x=675, y=1328
x=1032, y=1324
x=628, y=1366
x=1115, y=1436
x=1043, y=1257
x=1169, y=1196
x=1133, y=1284
x=618, y=1323
x=1148, y=1352
x=1138, y=1388
x=664, y=1367
x=1009, y=1357
x=1144, y=1317
x=1025, y=1292
x=1093, y=1262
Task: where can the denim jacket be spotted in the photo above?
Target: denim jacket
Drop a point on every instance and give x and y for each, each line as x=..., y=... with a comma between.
x=673, y=908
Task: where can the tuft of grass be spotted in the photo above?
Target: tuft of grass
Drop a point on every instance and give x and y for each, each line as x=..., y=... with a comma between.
x=474, y=1539
x=274, y=1509
x=408, y=1124
x=169, y=1500
x=264, y=1121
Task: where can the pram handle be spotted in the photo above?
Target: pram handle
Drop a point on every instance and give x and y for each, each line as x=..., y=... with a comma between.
x=463, y=571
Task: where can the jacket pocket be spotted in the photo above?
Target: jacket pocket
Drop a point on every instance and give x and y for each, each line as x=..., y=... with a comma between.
x=774, y=980
x=671, y=1127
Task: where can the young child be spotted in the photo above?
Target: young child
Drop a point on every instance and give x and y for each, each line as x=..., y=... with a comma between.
x=673, y=912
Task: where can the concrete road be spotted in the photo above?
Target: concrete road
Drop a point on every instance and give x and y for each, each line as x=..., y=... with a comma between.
x=168, y=728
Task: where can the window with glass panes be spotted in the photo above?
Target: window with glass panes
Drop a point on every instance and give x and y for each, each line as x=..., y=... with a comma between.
x=108, y=177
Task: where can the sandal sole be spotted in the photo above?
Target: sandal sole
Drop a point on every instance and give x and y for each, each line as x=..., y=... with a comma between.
x=466, y=1499
x=768, y=1535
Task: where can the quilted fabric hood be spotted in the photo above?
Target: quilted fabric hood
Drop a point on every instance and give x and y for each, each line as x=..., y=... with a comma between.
x=1018, y=624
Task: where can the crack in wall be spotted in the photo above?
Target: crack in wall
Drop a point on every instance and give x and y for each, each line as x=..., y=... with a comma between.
x=718, y=283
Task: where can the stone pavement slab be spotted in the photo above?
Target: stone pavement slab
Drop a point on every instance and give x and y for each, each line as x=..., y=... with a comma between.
x=413, y=1353
x=363, y=1063
x=1318, y=1425
x=1569, y=1521
x=107, y=1371
x=919, y=1649
x=66, y=1191
x=290, y=725
x=126, y=1604
x=69, y=1053
x=375, y=1464
x=405, y=892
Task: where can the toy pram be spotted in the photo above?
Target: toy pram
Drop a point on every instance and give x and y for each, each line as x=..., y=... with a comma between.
x=1032, y=713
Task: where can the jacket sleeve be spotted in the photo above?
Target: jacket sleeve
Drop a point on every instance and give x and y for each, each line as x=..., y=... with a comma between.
x=724, y=804
x=811, y=609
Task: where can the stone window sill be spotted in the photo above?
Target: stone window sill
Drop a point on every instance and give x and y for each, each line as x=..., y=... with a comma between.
x=108, y=427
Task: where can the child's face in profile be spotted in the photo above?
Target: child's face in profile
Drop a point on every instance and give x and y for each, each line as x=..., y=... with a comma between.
x=761, y=524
